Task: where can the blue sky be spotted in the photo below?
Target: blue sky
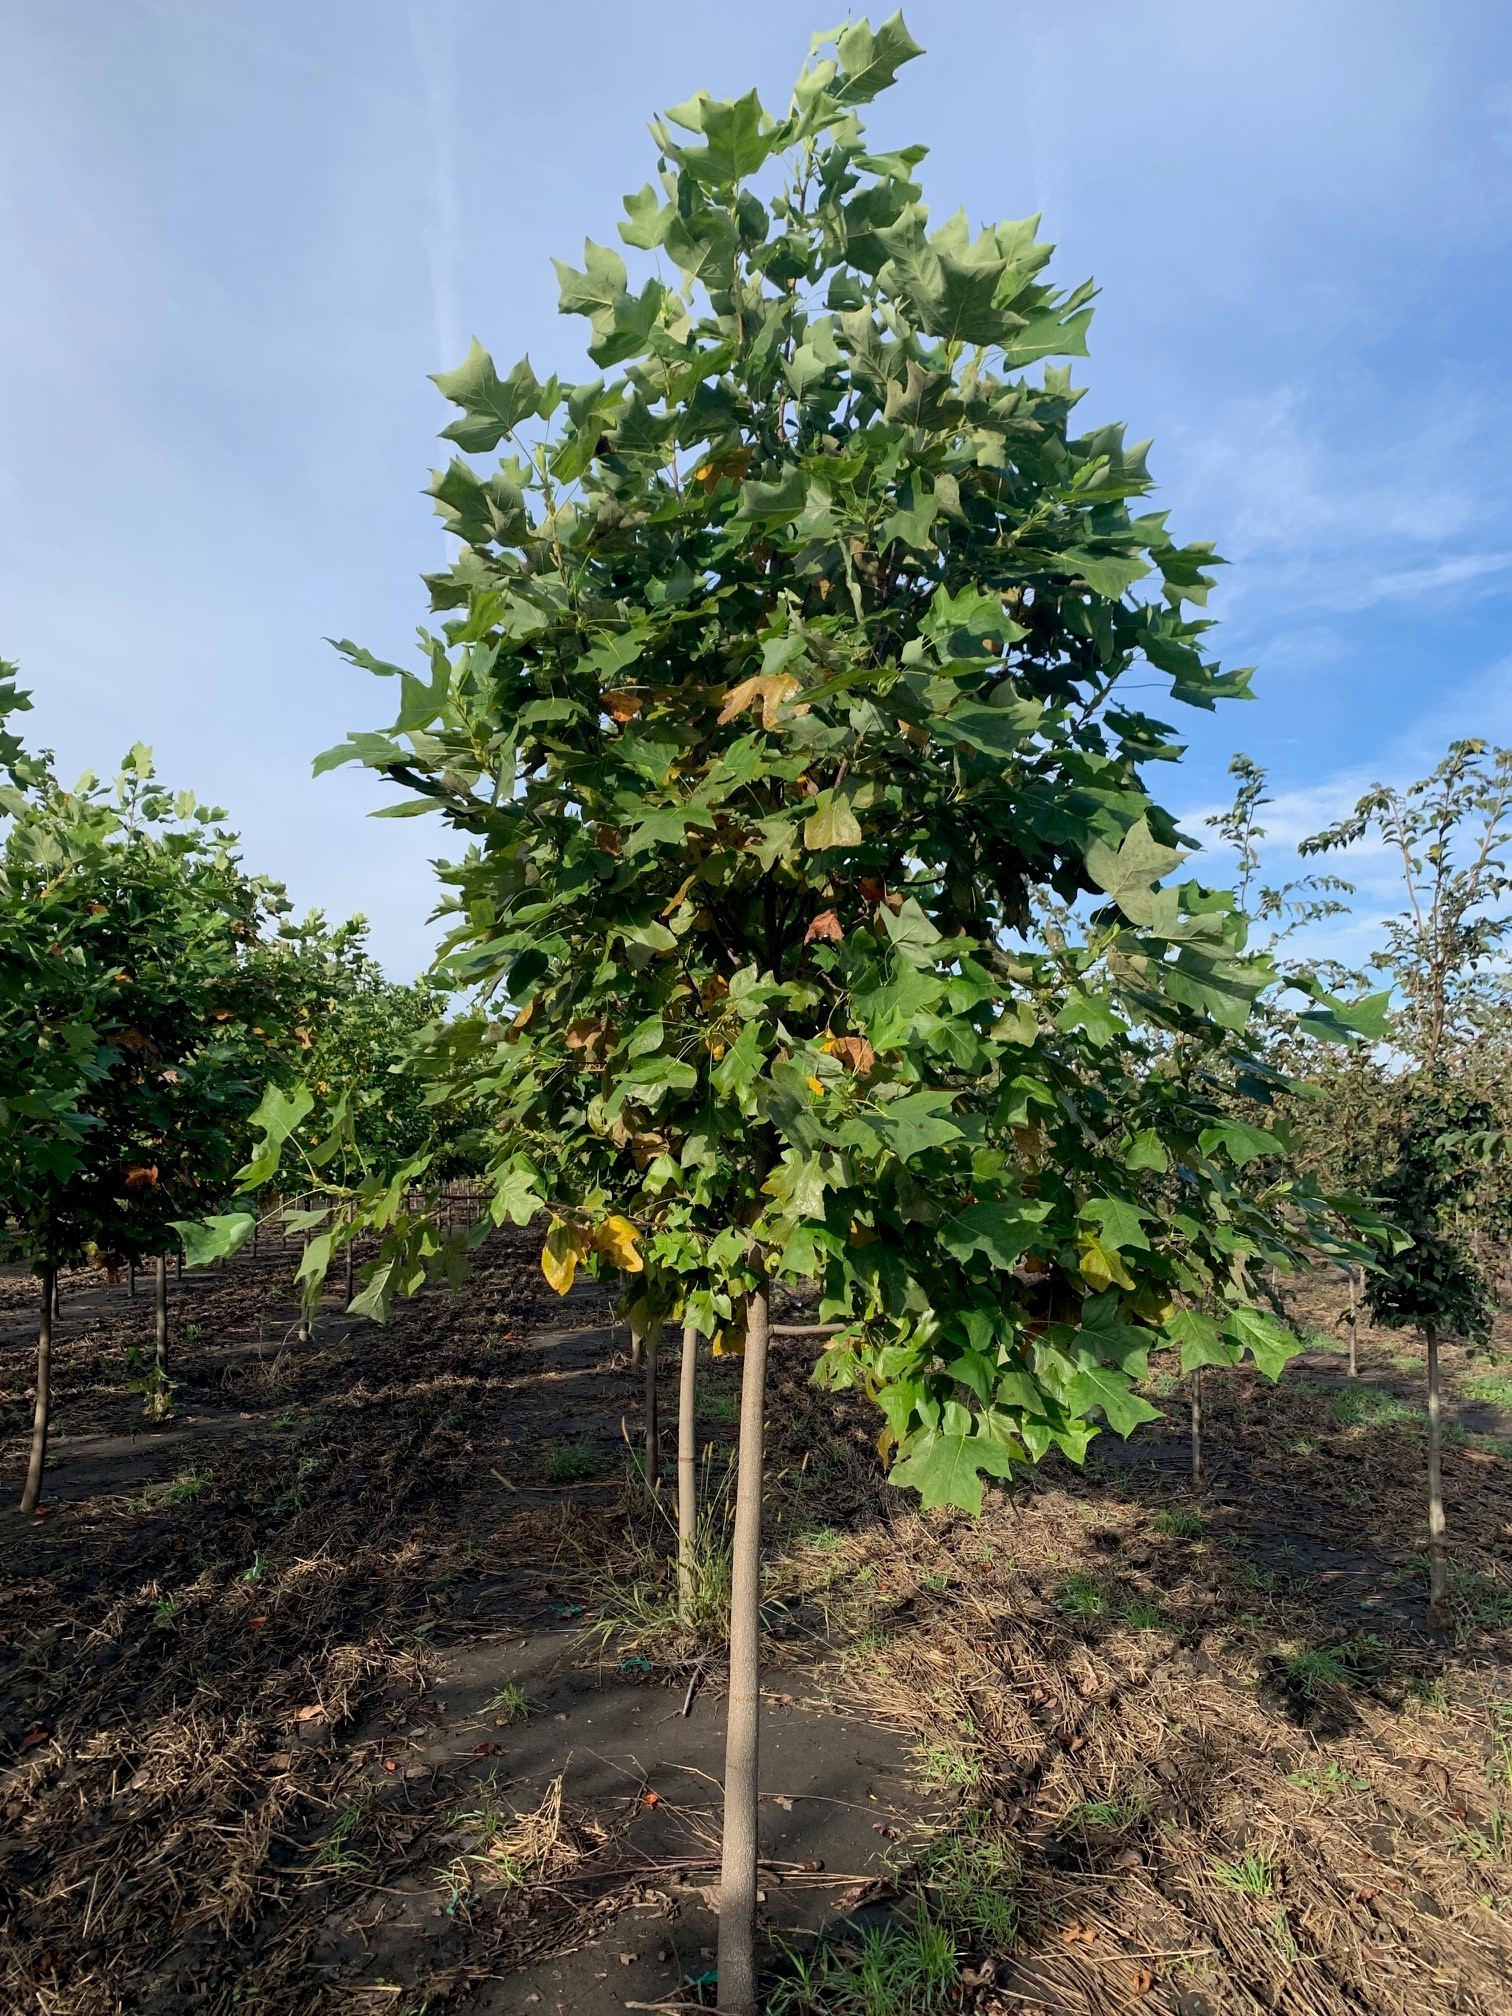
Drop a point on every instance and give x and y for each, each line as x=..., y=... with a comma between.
x=235, y=235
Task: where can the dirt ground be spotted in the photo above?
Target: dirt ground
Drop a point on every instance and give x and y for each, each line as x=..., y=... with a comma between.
x=354, y=1686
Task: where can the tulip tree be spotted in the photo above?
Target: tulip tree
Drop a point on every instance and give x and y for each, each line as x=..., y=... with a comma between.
x=137, y=1025
x=779, y=677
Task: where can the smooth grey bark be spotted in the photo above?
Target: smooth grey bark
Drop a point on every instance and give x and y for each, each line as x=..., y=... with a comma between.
x=1354, y=1322
x=32, y=1490
x=687, y=1470
x=736, y=1960
x=1439, y=1614
x=653, y=1412
x=160, y=1332
x=1194, y=1387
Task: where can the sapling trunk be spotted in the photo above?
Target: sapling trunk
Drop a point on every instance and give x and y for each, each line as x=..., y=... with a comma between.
x=1354, y=1323
x=351, y=1260
x=131, y=1278
x=687, y=1471
x=1439, y=1618
x=737, y=1879
x=32, y=1492
x=653, y=1412
x=302, y=1334
x=637, y=1339
x=160, y=1336
x=1194, y=1388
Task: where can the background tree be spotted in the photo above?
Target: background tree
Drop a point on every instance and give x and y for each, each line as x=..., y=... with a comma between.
x=134, y=1039
x=1434, y=1125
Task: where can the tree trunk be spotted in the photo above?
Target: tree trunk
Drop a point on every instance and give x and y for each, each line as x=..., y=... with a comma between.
x=1439, y=1617
x=178, y=1266
x=57, y=1297
x=687, y=1471
x=653, y=1413
x=737, y=1879
x=131, y=1278
x=160, y=1338
x=303, y=1334
x=1194, y=1387
x=351, y=1262
x=33, y=1489
x=636, y=1339
x=1354, y=1322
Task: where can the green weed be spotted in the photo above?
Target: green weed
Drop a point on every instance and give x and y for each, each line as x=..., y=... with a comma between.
x=164, y=1611
x=1082, y=1596
x=336, y=1851
x=1369, y=1407
x=1101, y=1817
x=972, y=1881
x=510, y=1704
x=1140, y=1614
x=186, y=1485
x=566, y=1462
x=1499, y=1761
x=1493, y=1388
x=904, y=1969
x=946, y=1764
x=1331, y=1779
x=1253, y=1875
x=1180, y=1524
x=1491, y=1843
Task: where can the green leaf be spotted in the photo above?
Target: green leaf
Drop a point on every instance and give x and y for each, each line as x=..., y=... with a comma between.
x=996, y=731
x=1119, y=1220
x=1003, y=1231
x=910, y=932
x=1268, y=1342
x=915, y=1123
x=1095, y=1014
x=1130, y=875
x=832, y=823
x=947, y=1469
x=1105, y=1387
x=1240, y=1141
x=870, y=60
x=1147, y=1151
x=1109, y=574
x=1199, y=1341
x=493, y=407
x=595, y=290
x=777, y=502
x=514, y=1197
x=207, y=1239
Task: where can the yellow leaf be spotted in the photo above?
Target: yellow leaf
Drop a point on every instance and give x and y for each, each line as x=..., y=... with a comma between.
x=559, y=1256
x=771, y=688
x=1100, y=1265
x=730, y=1341
x=816, y=1088
x=615, y=1239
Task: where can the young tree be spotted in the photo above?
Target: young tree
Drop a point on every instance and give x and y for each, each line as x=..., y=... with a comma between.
x=778, y=676
x=132, y=1044
x=1434, y=1128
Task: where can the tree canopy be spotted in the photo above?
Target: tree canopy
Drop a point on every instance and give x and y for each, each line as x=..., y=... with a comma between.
x=779, y=689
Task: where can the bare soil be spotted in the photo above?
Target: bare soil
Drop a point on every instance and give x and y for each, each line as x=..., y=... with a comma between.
x=298, y=1713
